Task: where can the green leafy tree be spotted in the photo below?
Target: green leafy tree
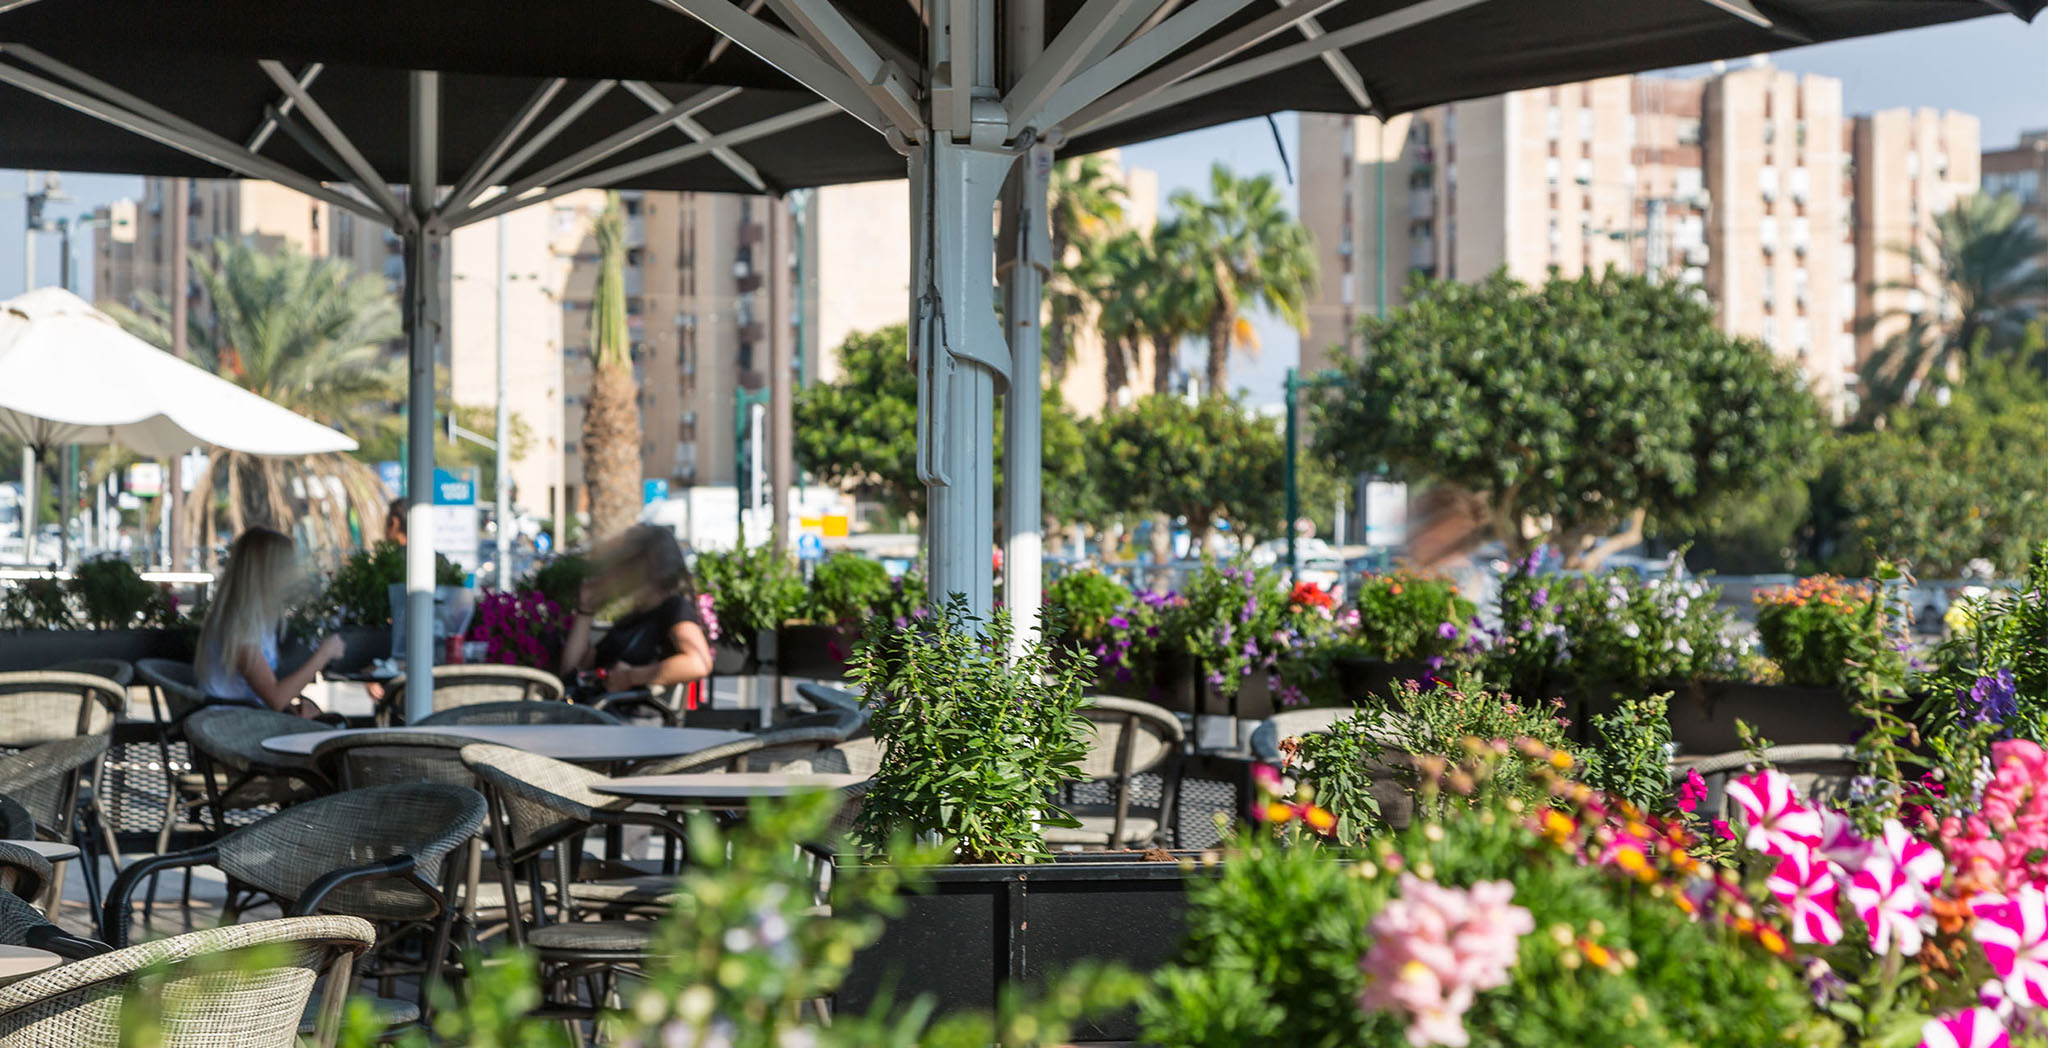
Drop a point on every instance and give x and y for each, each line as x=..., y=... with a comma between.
x=1985, y=259
x=1206, y=461
x=611, y=417
x=1574, y=411
x=1254, y=254
x=305, y=333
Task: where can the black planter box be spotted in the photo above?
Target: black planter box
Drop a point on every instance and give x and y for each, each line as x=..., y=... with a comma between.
x=1703, y=717
x=1365, y=681
x=814, y=652
x=729, y=659
x=978, y=928
x=1178, y=684
x=39, y=649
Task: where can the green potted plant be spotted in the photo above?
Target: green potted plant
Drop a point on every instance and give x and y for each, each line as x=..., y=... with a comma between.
x=355, y=603
x=105, y=610
x=753, y=591
x=1401, y=627
x=1822, y=635
x=975, y=745
x=846, y=589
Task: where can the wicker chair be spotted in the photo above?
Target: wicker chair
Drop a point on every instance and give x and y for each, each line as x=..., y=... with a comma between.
x=1130, y=737
x=203, y=1003
x=382, y=854
x=541, y=806
x=1822, y=772
x=45, y=780
x=46, y=706
x=824, y=697
x=772, y=750
x=356, y=759
x=236, y=772
x=518, y=713
x=861, y=756
x=115, y=670
x=16, y=824
x=25, y=876
x=469, y=685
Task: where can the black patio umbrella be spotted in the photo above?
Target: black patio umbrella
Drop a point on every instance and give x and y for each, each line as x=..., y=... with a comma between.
x=547, y=96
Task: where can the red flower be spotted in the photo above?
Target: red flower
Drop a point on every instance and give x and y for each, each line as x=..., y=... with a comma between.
x=1308, y=594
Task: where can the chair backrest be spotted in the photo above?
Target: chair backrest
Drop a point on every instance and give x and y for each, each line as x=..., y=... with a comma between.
x=201, y=1005
x=1129, y=737
x=23, y=873
x=726, y=756
x=285, y=853
x=16, y=824
x=861, y=756
x=1822, y=772
x=44, y=779
x=518, y=713
x=540, y=800
x=357, y=759
x=116, y=670
x=232, y=736
x=175, y=686
x=826, y=697
x=469, y=685
x=45, y=706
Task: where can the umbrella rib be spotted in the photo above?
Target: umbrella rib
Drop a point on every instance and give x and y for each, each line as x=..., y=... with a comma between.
x=669, y=112
x=503, y=172
x=1154, y=46
x=281, y=109
x=697, y=132
x=788, y=54
x=367, y=179
x=473, y=181
x=1339, y=66
x=828, y=31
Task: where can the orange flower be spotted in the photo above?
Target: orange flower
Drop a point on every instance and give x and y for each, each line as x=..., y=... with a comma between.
x=1771, y=940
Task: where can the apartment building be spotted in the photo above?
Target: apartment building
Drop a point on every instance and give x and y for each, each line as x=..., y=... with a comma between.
x=1743, y=183
x=1909, y=166
x=2022, y=171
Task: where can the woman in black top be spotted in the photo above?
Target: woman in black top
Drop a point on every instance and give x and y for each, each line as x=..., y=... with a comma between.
x=661, y=641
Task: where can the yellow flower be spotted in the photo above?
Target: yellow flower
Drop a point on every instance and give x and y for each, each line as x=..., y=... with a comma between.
x=1561, y=760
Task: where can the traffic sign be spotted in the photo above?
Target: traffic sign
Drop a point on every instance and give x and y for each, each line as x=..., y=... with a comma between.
x=810, y=547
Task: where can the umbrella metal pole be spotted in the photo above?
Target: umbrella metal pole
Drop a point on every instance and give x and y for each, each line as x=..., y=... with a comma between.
x=504, y=449
x=1027, y=251
x=423, y=323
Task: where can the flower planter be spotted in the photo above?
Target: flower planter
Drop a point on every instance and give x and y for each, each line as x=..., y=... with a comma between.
x=816, y=652
x=977, y=928
x=1178, y=684
x=1365, y=681
x=40, y=649
x=1703, y=717
x=730, y=659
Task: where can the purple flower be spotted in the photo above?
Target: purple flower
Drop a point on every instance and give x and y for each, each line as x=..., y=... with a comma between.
x=1118, y=622
x=1533, y=561
x=1436, y=662
x=1215, y=679
x=1994, y=699
x=1447, y=630
x=1123, y=674
x=1540, y=599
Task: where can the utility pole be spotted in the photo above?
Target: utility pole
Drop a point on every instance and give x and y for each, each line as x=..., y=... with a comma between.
x=178, y=220
x=781, y=418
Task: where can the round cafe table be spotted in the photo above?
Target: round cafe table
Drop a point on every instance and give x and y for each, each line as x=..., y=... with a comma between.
x=720, y=790
x=20, y=962
x=574, y=743
x=49, y=850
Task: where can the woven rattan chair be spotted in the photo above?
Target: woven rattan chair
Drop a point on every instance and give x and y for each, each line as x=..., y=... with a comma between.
x=16, y=824
x=202, y=1002
x=541, y=811
x=234, y=769
x=518, y=713
x=860, y=756
x=1822, y=772
x=382, y=854
x=355, y=759
x=45, y=780
x=824, y=697
x=46, y=706
x=116, y=670
x=25, y=876
x=1130, y=737
x=469, y=685
x=772, y=750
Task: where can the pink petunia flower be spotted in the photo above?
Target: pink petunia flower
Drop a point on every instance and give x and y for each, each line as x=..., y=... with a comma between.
x=1913, y=855
x=1692, y=791
x=1778, y=824
x=1805, y=886
x=1975, y=1028
x=2014, y=935
x=1840, y=842
x=1890, y=903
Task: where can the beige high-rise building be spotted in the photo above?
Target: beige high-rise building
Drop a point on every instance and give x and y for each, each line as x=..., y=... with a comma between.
x=1628, y=172
x=261, y=213
x=1909, y=165
x=2022, y=171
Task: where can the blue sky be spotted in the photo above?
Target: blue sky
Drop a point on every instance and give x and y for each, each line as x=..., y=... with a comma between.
x=1994, y=67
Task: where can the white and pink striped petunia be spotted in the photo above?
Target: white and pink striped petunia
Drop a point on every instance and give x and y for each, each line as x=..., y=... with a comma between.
x=1890, y=904
x=1913, y=855
x=1778, y=824
x=1805, y=886
x=2014, y=935
x=1976, y=1028
x=1840, y=842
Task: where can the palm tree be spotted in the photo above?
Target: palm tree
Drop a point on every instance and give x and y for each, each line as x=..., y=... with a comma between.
x=1106, y=275
x=309, y=334
x=1256, y=255
x=611, y=418
x=1985, y=261
x=1086, y=206
x=1173, y=306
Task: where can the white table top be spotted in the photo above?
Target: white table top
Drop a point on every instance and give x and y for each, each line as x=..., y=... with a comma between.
x=20, y=962
x=50, y=850
x=576, y=743
x=713, y=789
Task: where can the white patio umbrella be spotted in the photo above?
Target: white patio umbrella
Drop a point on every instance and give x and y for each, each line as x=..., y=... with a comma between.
x=70, y=374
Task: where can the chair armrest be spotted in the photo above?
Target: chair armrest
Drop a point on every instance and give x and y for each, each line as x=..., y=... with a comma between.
x=637, y=698
x=316, y=893
x=70, y=947
x=114, y=915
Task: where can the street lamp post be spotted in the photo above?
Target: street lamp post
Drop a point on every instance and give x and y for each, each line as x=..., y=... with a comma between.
x=1291, y=470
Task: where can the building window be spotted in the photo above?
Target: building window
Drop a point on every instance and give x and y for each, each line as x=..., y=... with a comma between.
x=1689, y=183
x=1585, y=171
x=1553, y=169
x=1767, y=183
x=1553, y=123
x=1688, y=131
x=1585, y=124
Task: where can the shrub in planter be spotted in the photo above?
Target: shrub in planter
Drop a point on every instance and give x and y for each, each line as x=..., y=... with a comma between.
x=359, y=592
x=753, y=589
x=112, y=595
x=526, y=628
x=1404, y=616
x=1810, y=628
x=846, y=588
x=1991, y=675
x=1085, y=602
x=560, y=580
x=1592, y=638
x=35, y=604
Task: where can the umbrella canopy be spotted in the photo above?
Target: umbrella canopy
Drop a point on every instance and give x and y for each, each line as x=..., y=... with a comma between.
x=70, y=375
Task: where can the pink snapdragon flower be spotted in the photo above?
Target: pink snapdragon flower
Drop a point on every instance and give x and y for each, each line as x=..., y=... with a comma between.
x=1434, y=948
x=707, y=610
x=1891, y=903
x=1975, y=1028
x=1804, y=884
x=2014, y=935
x=2005, y=845
x=1778, y=824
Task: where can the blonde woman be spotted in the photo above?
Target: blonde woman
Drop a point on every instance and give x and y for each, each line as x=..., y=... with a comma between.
x=237, y=658
x=659, y=641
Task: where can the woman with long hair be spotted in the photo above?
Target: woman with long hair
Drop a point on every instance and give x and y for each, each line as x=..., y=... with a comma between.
x=659, y=640
x=237, y=657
